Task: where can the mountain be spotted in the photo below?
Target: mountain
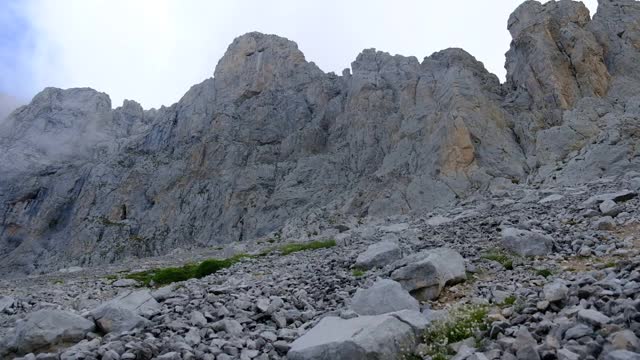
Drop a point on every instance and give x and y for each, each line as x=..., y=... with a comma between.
x=273, y=146
x=8, y=103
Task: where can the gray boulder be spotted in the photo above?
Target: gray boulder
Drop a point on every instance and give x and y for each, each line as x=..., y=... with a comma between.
x=115, y=318
x=526, y=243
x=365, y=337
x=6, y=302
x=621, y=355
x=384, y=296
x=379, y=255
x=555, y=291
x=125, y=312
x=45, y=328
x=426, y=273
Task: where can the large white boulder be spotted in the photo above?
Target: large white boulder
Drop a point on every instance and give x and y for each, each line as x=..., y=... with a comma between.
x=426, y=273
x=126, y=311
x=365, y=337
x=379, y=255
x=45, y=328
x=526, y=243
x=384, y=296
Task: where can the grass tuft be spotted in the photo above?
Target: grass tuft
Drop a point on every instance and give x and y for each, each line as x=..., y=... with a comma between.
x=313, y=245
x=510, y=300
x=499, y=257
x=544, y=272
x=358, y=272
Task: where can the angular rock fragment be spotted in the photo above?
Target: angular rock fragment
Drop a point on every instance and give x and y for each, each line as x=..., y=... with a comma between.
x=384, y=296
x=526, y=243
x=426, y=273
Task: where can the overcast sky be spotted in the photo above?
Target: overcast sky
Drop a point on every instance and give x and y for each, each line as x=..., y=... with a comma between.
x=152, y=51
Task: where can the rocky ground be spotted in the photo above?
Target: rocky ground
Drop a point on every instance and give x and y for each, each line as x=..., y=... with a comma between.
x=572, y=293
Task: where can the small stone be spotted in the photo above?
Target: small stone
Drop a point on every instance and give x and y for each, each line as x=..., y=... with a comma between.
x=593, y=317
x=555, y=291
x=542, y=305
x=604, y=223
x=609, y=208
x=125, y=283
x=578, y=331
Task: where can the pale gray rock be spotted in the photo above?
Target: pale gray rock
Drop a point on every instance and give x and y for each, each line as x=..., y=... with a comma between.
x=621, y=355
x=526, y=243
x=379, y=255
x=113, y=317
x=555, y=291
x=125, y=283
x=45, y=328
x=364, y=337
x=551, y=198
x=426, y=273
x=609, y=208
x=6, y=302
x=384, y=296
x=593, y=317
x=138, y=301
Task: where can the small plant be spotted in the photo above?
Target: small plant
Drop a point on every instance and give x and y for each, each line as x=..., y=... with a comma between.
x=499, y=257
x=544, y=272
x=462, y=323
x=111, y=277
x=610, y=264
x=510, y=300
x=358, y=272
x=313, y=245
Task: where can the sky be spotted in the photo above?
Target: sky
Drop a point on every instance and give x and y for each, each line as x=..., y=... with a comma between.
x=153, y=51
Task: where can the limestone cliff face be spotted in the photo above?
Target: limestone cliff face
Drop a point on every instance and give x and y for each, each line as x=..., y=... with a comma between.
x=271, y=142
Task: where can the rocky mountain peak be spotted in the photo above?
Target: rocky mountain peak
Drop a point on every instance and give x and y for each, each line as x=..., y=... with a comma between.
x=271, y=144
x=255, y=62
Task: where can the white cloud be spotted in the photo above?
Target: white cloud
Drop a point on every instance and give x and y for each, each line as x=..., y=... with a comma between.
x=152, y=51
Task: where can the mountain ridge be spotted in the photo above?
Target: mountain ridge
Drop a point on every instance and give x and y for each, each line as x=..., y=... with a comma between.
x=273, y=145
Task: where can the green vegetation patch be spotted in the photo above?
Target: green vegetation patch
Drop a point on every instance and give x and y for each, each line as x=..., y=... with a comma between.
x=544, y=272
x=313, y=245
x=358, y=272
x=163, y=276
x=510, y=300
x=499, y=257
x=170, y=275
x=462, y=323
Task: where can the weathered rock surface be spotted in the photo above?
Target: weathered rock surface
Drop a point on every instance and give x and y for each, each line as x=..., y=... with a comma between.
x=46, y=328
x=384, y=296
x=426, y=273
x=364, y=337
x=526, y=243
x=379, y=255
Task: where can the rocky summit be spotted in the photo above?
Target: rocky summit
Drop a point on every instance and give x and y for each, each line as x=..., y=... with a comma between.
x=404, y=209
